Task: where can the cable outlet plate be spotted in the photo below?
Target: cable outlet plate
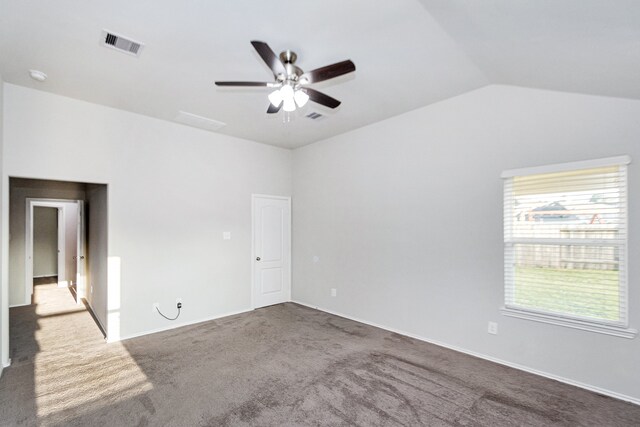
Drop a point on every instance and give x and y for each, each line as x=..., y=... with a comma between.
x=155, y=307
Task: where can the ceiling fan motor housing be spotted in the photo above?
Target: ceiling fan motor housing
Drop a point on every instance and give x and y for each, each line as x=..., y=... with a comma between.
x=288, y=59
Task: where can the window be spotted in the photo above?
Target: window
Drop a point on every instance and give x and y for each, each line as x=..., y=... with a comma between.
x=565, y=245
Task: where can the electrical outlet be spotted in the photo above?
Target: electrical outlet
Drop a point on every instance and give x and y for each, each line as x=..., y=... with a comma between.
x=156, y=307
x=334, y=292
x=493, y=328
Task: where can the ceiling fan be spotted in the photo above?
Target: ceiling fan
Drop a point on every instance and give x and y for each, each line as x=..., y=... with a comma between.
x=291, y=82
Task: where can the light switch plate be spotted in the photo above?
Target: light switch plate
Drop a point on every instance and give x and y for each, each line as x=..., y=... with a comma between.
x=226, y=235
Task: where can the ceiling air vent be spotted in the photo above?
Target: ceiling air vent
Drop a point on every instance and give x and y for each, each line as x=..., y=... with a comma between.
x=120, y=43
x=195, y=121
x=314, y=116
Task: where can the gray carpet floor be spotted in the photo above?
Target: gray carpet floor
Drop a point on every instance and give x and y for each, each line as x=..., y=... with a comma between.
x=284, y=365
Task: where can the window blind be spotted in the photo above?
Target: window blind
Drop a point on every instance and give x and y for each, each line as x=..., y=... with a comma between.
x=565, y=238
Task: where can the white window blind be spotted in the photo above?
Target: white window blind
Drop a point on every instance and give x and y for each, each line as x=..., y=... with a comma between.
x=565, y=240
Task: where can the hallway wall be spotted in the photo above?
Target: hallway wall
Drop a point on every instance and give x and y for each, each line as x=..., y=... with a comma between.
x=97, y=251
x=18, y=194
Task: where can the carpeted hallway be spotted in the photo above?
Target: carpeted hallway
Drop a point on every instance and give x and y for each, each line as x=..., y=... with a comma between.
x=281, y=365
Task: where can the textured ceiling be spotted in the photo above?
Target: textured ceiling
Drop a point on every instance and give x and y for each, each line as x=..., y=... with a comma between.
x=408, y=54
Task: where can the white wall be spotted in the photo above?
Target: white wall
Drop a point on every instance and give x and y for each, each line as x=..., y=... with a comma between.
x=173, y=190
x=18, y=195
x=406, y=218
x=4, y=244
x=97, y=251
x=45, y=241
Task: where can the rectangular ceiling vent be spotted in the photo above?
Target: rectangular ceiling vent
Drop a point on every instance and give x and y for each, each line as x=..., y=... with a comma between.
x=315, y=116
x=198, y=121
x=120, y=43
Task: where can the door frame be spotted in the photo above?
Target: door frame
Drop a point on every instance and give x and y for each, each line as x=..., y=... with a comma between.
x=253, y=243
x=30, y=204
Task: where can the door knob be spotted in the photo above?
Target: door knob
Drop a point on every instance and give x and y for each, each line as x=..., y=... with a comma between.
x=258, y=259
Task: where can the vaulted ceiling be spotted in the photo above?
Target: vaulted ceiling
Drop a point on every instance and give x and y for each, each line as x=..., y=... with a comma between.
x=408, y=54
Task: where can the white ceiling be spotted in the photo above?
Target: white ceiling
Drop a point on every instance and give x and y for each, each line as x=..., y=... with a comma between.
x=408, y=54
x=585, y=46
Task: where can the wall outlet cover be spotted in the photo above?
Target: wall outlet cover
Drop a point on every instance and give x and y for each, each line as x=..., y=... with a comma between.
x=493, y=328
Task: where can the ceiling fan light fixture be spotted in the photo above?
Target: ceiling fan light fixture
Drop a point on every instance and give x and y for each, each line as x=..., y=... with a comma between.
x=275, y=98
x=301, y=98
x=287, y=92
x=289, y=105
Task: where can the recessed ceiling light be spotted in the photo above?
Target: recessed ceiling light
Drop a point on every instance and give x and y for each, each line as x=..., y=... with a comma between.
x=38, y=75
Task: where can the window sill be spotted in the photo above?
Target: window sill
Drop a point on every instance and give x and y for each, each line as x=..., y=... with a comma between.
x=570, y=323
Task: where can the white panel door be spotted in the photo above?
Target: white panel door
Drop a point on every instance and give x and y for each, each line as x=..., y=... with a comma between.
x=62, y=248
x=81, y=266
x=271, y=250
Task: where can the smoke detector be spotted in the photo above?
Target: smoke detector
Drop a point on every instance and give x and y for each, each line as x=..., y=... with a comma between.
x=120, y=43
x=37, y=75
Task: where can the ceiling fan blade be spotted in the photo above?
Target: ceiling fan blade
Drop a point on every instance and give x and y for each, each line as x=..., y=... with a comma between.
x=245, y=84
x=268, y=56
x=329, y=72
x=272, y=109
x=321, y=98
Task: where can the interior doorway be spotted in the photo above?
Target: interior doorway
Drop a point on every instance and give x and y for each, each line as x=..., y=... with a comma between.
x=47, y=247
x=70, y=244
x=82, y=244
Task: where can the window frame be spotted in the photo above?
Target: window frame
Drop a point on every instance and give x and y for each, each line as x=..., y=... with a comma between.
x=619, y=328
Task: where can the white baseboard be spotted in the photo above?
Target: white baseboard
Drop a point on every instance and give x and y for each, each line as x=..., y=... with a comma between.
x=167, y=328
x=18, y=305
x=4, y=365
x=94, y=316
x=485, y=357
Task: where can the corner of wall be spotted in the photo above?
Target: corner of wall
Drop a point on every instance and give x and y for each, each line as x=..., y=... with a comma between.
x=4, y=244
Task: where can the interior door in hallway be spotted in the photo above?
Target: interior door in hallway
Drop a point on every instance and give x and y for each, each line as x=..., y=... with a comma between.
x=81, y=262
x=271, y=250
